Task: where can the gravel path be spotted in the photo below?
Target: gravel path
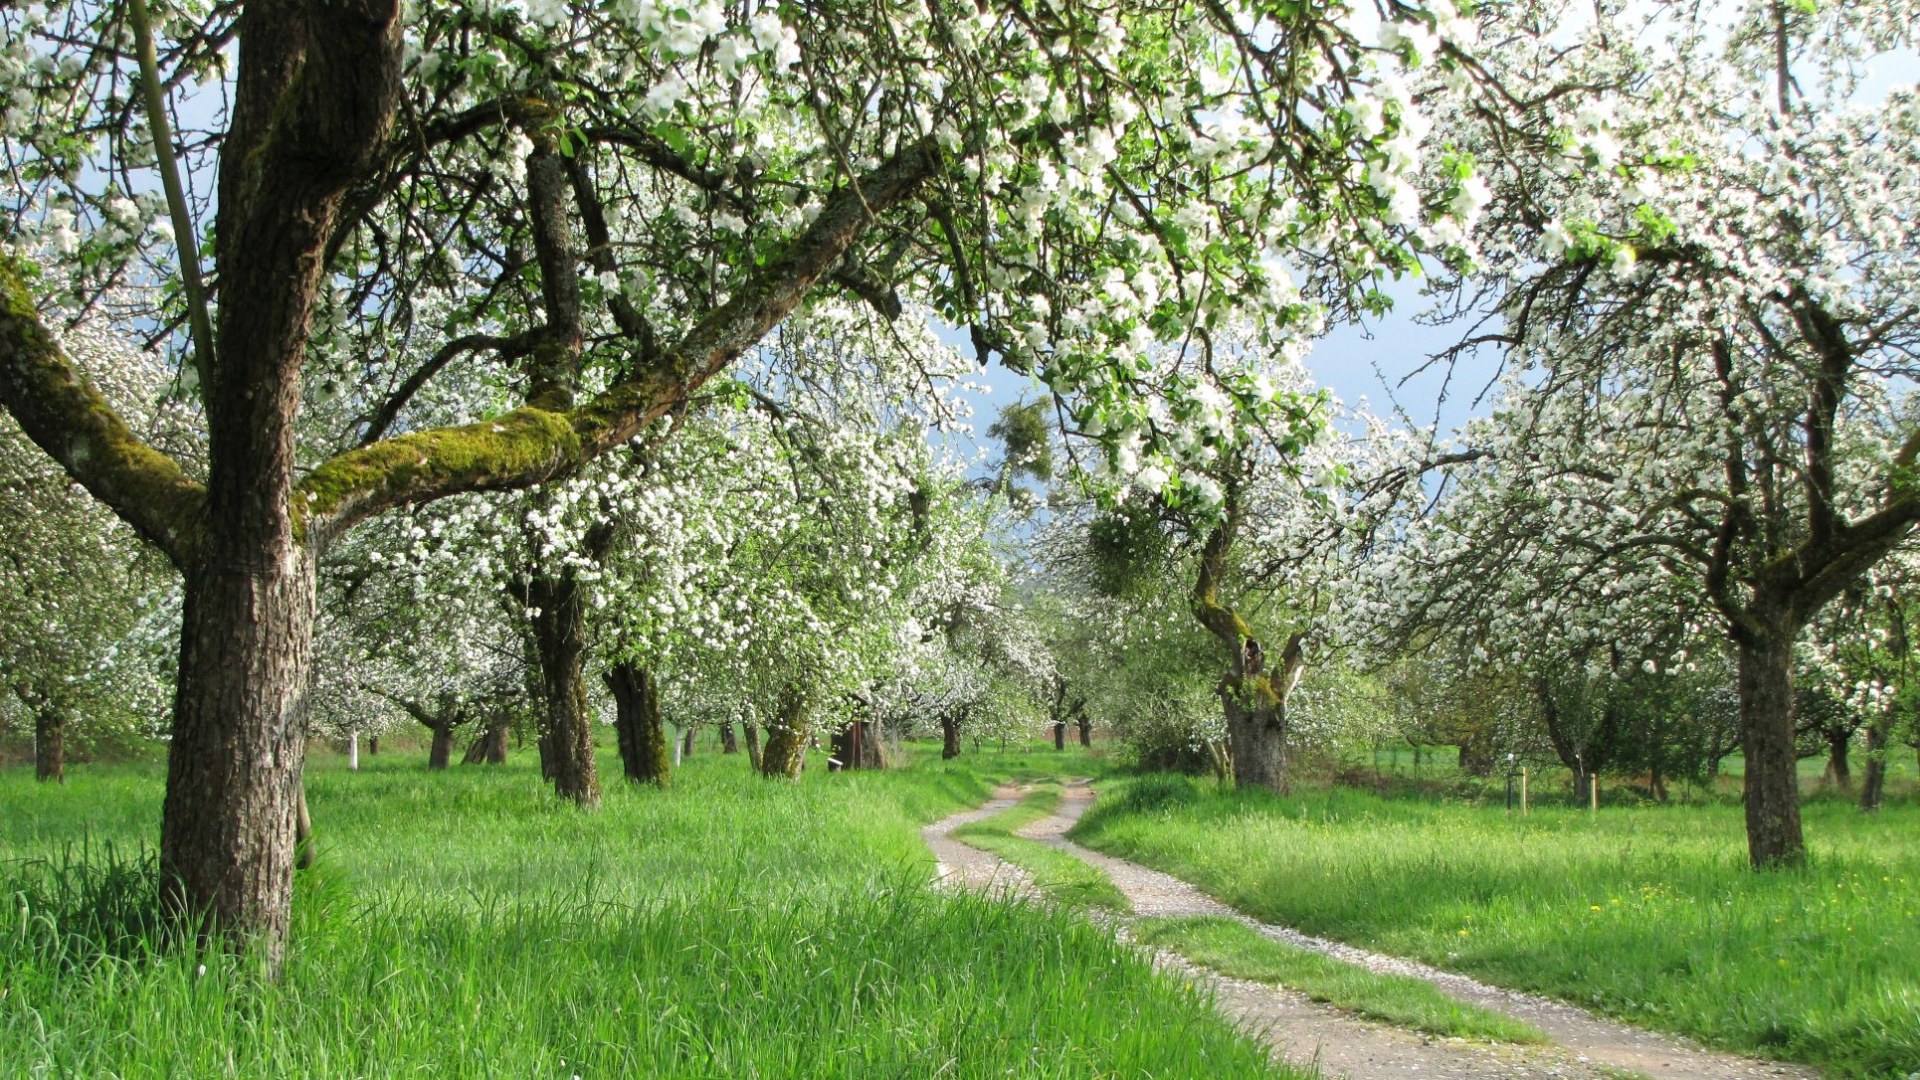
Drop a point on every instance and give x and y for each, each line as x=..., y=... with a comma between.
x=1302, y=1031
x=958, y=866
x=1584, y=1044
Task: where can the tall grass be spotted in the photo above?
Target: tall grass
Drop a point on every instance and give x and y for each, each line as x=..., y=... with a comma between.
x=466, y=924
x=1649, y=913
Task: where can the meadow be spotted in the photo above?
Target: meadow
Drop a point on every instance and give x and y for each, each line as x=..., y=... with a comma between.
x=465, y=923
x=1647, y=913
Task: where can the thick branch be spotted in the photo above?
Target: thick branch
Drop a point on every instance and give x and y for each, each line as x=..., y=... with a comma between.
x=533, y=444
x=71, y=421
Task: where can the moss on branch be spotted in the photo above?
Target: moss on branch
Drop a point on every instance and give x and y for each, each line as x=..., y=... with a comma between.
x=524, y=446
x=69, y=419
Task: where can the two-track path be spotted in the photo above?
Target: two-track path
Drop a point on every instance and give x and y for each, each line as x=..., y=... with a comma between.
x=1305, y=1032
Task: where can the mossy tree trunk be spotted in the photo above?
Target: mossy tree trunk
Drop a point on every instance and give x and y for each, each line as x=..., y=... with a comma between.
x=1252, y=699
x=786, y=750
x=729, y=744
x=949, y=738
x=636, y=711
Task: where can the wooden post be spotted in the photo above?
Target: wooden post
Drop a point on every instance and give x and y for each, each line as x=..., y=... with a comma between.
x=1594, y=791
x=1523, y=790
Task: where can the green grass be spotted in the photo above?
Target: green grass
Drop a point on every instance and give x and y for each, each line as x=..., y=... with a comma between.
x=1236, y=949
x=1059, y=876
x=467, y=924
x=1646, y=913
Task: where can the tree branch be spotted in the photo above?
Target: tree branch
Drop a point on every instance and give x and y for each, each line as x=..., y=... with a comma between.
x=533, y=444
x=74, y=424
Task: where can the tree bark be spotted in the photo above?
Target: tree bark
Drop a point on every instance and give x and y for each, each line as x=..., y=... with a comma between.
x=1086, y=731
x=490, y=746
x=1060, y=736
x=729, y=744
x=1873, y=782
x=373, y=745
x=949, y=738
x=1256, y=734
x=50, y=744
x=1766, y=738
x=686, y=740
x=560, y=636
x=753, y=743
x=1839, y=768
x=239, y=738
x=636, y=724
x=440, y=751
x=786, y=749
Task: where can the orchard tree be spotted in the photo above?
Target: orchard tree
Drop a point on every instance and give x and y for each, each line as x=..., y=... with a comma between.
x=624, y=199
x=1859, y=653
x=416, y=627
x=1703, y=273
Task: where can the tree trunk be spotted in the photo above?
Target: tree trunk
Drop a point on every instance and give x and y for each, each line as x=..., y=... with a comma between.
x=636, y=723
x=353, y=751
x=753, y=743
x=543, y=743
x=373, y=745
x=686, y=740
x=50, y=744
x=728, y=743
x=560, y=635
x=786, y=749
x=1476, y=755
x=1839, y=769
x=239, y=737
x=1256, y=735
x=1086, y=731
x=490, y=747
x=1060, y=736
x=1766, y=738
x=440, y=752
x=949, y=738
x=1873, y=783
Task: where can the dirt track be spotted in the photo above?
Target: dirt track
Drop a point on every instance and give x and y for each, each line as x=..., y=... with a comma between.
x=1308, y=1033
